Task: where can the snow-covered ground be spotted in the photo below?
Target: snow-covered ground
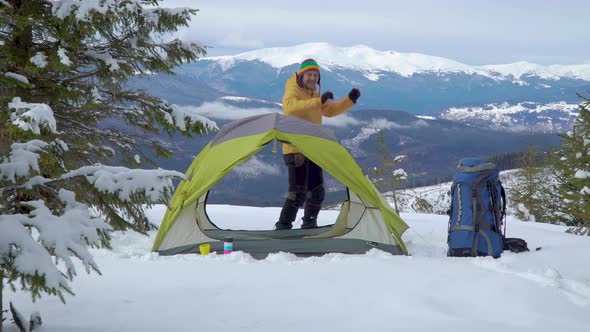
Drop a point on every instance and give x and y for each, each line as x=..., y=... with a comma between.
x=545, y=290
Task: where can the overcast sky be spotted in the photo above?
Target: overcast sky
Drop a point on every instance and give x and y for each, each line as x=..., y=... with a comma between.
x=474, y=32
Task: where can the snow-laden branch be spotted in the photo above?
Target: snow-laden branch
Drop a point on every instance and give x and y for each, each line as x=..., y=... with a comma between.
x=32, y=116
x=124, y=182
x=96, y=97
x=17, y=77
x=153, y=14
x=121, y=181
x=400, y=174
x=182, y=117
x=399, y=159
x=30, y=256
x=62, y=235
x=23, y=158
x=82, y=9
x=107, y=58
x=63, y=57
x=39, y=60
x=193, y=47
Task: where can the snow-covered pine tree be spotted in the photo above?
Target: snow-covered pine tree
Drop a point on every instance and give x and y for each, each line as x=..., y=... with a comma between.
x=63, y=70
x=527, y=194
x=550, y=193
x=573, y=171
x=72, y=59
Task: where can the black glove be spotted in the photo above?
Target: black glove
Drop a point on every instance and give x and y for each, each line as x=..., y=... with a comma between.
x=327, y=95
x=354, y=94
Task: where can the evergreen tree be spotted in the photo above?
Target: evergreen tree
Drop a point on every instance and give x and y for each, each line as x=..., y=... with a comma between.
x=527, y=195
x=63, y=70
x=555, y=202
x=572, y=169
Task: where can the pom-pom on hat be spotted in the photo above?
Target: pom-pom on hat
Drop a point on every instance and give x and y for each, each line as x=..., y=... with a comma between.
x=307, y=65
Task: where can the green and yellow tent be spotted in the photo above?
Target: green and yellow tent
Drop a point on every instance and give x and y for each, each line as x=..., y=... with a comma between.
x=365, y=221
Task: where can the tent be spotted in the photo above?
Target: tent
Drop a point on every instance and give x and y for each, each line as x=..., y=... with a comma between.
x=365, y=221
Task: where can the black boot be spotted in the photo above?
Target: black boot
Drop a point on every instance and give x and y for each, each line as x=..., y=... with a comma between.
x=313, y=205
x=279, y=226
x=310, y=217
x=289, y=213
x=309, y=224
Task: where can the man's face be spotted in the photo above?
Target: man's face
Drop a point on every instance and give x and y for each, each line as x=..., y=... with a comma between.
x=310, y=79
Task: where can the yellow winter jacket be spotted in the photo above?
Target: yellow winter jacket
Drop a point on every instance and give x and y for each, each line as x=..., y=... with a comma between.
x=306, y=104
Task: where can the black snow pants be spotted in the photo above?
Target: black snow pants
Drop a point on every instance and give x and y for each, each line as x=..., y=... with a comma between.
x=306, y=186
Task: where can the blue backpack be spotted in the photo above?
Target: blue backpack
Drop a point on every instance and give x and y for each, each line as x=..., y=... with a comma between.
x=478, y=206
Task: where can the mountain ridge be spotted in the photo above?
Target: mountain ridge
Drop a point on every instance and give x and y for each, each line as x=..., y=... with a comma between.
x=424, y=92
x=372, y=61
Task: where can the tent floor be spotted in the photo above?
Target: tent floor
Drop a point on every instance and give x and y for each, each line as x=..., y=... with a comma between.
x=260, y=244
x=220, y=234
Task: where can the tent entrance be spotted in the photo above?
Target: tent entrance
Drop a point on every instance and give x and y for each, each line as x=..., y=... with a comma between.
x=346, y=220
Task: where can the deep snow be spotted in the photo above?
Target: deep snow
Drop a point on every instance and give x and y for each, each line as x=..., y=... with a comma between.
x=546, y=290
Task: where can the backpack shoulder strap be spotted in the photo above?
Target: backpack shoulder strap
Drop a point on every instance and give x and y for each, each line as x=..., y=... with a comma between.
x=475, y=221
x=503, y=216
x=503, y=199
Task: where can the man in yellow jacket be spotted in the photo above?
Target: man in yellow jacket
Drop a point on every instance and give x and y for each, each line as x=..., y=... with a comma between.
x=306, y=180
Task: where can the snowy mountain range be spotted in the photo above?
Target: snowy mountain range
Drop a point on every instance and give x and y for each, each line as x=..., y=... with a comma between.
x=522, y=94
x=373, y=63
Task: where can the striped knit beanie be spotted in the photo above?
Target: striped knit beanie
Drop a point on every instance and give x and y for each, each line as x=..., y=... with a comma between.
x=308, y=64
